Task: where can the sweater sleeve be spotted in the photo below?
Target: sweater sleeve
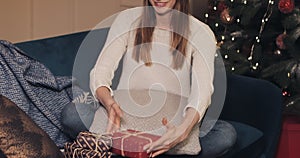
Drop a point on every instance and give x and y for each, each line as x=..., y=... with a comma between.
x=111, y=54
x=204, y=45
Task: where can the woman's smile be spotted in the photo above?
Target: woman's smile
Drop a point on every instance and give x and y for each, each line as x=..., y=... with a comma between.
x=160, y=4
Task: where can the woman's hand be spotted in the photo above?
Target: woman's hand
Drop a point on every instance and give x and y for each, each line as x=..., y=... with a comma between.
x=113, y=109
x=173, y=136
x=114, y=117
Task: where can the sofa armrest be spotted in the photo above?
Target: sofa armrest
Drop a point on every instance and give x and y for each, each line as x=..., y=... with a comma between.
x=257, y=103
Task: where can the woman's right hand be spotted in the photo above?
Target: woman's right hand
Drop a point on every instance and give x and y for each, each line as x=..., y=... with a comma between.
x=112, y=107
x=114, y=117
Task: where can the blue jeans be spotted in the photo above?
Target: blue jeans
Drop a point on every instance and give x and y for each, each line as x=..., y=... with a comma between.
x=216, y=142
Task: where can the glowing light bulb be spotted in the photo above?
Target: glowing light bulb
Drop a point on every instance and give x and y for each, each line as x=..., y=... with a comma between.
x=223, y=37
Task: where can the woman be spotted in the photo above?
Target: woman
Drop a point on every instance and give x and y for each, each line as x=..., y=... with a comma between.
x=164, y=33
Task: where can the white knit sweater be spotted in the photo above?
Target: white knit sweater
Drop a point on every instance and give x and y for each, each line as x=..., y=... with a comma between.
x=194, y=80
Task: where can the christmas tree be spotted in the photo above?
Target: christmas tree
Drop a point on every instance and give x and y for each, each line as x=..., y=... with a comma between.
x=260, y=38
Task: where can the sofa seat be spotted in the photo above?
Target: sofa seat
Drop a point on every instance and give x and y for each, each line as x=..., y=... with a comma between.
x=250, y=142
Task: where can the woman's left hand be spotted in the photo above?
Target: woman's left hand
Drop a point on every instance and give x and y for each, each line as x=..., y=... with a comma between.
x=173, y=136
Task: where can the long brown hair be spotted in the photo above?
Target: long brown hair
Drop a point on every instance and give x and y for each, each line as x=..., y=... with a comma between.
x=178, y=43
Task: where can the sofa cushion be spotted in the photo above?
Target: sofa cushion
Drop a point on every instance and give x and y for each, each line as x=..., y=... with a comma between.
x=57, y=53
x=250, y=142
x=139, y=114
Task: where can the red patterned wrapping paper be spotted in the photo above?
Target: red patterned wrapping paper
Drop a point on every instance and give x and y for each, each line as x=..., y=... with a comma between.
x=130, y=143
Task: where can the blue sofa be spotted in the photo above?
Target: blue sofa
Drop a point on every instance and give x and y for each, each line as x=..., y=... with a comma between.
x=252, y=106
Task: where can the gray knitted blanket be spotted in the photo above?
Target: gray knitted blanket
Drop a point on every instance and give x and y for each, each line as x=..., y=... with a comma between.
x=31, y=86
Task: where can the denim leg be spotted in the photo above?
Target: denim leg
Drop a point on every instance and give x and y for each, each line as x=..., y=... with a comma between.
x=218, y=140
x=77, y=117
x=2, y=154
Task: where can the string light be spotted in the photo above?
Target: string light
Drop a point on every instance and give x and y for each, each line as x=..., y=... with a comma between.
x=265, y=18
x=267, y=15
x=289, y=75
x=277, y=52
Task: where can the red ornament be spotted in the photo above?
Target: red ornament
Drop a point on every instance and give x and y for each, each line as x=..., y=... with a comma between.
x=226, y=17
x=286, y=6
x=280, y=41
x=285, y=93
x=221, y=6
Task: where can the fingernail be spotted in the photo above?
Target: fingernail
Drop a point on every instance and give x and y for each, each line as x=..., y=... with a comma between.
x=164, y=121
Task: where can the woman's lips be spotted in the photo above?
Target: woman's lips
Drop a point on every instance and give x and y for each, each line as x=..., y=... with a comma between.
x=160, y=4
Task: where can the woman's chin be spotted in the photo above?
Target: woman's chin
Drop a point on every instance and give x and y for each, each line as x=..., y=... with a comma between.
x=162, y=10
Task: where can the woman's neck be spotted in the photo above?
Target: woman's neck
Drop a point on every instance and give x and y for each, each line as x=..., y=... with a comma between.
x=163, y=21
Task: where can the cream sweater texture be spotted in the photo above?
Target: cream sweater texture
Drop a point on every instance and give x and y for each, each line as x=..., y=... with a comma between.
x=194, y=80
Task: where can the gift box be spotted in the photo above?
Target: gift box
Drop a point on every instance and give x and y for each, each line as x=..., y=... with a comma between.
x=130, y=143
x=88, y=145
